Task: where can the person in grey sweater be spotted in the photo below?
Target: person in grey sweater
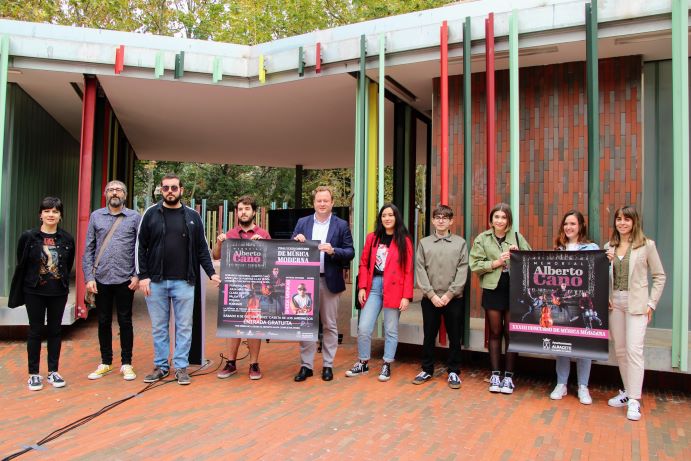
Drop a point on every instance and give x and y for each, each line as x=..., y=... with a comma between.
x=441, y=271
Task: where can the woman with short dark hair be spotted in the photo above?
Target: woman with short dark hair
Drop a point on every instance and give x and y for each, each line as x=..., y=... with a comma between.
x=47, y=255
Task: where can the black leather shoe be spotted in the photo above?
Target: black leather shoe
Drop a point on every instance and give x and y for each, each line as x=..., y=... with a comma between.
x=303, y=374
x=327, y=374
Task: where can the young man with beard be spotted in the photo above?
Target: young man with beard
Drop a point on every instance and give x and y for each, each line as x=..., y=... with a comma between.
x=109, y=271
x=170, y=248
x=246, y=209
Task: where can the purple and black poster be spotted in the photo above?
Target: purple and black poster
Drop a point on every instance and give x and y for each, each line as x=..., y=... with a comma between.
x=269, y=290
x=559, y=303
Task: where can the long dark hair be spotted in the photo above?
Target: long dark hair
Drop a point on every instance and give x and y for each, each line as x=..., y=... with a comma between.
x=561, y=240
x=400, y=233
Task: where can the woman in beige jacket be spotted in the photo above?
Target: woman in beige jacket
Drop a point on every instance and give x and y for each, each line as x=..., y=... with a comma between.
x=632, y=256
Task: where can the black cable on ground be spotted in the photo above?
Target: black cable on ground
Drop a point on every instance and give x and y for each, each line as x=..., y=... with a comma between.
x=82, y=421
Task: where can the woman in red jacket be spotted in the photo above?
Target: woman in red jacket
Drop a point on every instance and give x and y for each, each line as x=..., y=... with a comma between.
x=385, y=283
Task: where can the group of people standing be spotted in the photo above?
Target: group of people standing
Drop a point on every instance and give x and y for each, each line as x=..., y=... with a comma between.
x=160, y=254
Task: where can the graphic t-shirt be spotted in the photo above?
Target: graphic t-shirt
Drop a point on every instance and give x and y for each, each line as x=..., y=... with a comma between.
x=49, y=278
x=382, y=254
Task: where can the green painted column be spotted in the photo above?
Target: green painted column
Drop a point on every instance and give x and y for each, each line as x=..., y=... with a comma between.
x=359, y=178
x=467, y=164
x=682, y=201
x=382, y=111
x=4, y=63
x=514, y=145
x=591, y=60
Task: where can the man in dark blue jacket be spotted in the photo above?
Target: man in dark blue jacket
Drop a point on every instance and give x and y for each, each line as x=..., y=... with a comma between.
x=336, y=251
x=171, y=246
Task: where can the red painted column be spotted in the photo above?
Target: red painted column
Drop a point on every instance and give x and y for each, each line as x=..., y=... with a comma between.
x=491, y=127
x=491, y=123
x=85, y=178
x=106, y=150
x=444, y=90
x=444, y=160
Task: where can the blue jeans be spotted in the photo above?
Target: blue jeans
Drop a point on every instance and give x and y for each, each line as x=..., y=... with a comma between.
x=368, y=318
x=181, y=295
x=582, y=368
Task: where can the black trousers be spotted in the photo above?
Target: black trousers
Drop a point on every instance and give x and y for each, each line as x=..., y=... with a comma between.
x=43, y=310
x=453, y=314
x=122, y=296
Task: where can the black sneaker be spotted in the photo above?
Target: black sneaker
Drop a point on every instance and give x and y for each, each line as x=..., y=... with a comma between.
x=422, y=377
x=35, y=383
x=360, y=368
x=454, y=381
x=229, y=370
x=182, y=376
x=55, y=379
x=385, y=373
x=156, y=375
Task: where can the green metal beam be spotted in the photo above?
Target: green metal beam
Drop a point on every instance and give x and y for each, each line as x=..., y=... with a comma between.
x=4, y=64
x=359, y=179
x=380, y=148
x=682, y=201
x=159, y=69
x=591, y=60
x=467, y=163
x=514, y=145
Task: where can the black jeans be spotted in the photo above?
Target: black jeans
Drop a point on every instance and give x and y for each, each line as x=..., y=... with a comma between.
x=453, y=314
x=37, y=306
x=123, y=297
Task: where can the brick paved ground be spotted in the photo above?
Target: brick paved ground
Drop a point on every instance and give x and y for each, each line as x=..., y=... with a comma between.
x=348, y=418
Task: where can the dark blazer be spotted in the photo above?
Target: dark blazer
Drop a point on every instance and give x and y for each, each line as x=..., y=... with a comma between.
x=341, y=240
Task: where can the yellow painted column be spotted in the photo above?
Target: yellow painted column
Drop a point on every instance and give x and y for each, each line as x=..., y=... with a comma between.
x=373, y=129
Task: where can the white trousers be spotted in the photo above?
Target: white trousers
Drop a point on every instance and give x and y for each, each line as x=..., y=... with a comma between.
x=628, y=333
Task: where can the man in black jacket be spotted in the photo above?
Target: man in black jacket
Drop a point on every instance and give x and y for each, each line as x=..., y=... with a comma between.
x=170, y=248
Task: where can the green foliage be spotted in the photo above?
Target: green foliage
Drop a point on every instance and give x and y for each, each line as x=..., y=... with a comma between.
x=237, y=21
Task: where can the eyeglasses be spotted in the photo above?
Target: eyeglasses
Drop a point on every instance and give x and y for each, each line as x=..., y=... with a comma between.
x=119, y=190
x=170, y=188
x=301, y=289
x=442, y=218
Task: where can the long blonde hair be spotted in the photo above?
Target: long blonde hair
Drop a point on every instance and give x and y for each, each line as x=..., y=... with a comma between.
x=637, y=238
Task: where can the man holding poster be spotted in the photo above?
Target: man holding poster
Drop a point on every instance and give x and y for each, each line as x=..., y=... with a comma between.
x=335, y=252
x=246, y=209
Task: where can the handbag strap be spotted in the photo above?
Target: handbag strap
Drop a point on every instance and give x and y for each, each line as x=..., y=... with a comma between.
x=106, y=240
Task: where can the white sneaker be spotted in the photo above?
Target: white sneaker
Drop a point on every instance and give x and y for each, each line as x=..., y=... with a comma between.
x=128, y=373
x=584, y=395
x=559, y=392
x=633, y=411
x=55, y=379
x=495, y=382
x=35, y=382
x=101, y=371
x=619, y=400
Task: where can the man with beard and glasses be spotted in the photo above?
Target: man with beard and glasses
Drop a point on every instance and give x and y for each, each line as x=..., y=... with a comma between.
x=245, y=209
x=109, y=271
x=171, y=246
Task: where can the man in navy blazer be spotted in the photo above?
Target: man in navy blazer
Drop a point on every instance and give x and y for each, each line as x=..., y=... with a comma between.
x=336, y=251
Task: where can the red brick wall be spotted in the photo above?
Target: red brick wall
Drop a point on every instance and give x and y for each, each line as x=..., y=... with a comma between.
x=553, y=146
